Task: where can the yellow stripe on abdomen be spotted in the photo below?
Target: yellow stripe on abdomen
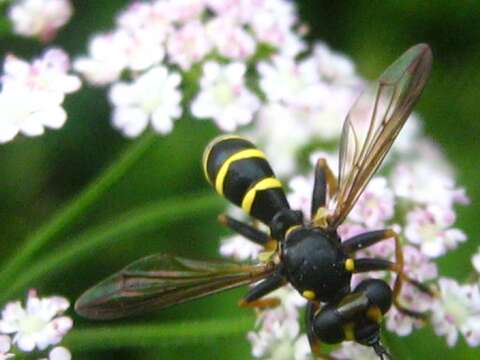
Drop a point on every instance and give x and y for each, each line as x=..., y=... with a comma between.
x=208, y=150
x=264, y=184
x=241, y=155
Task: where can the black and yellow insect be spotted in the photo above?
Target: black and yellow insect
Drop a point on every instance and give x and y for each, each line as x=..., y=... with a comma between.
x=307, y=254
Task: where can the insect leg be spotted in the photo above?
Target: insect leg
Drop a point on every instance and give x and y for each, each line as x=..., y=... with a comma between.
x=248, y=231
x=324, y=181
x=364, y=265
x=310, y=312
x=368, y=239
x=253, y=296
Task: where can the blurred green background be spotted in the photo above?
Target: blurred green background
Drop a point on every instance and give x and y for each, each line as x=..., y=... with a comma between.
x=38, y=175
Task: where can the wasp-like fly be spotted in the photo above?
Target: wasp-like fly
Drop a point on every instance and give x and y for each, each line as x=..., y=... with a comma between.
x=309, y=255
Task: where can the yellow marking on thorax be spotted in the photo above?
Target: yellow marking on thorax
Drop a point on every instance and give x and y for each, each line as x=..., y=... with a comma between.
x=208, y=150
x=321, y=217
x=290, y=229
x=309, y=294
x=348, y=331
x=264, y=184
x=350, y=265
x=244, y=154
x=266, y=256
x=271, y=245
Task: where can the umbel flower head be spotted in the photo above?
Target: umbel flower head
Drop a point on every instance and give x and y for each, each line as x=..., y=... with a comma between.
x=210, y=41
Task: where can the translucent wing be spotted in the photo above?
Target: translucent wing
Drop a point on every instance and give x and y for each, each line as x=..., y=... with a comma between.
x=162, y=280
x=374, y=122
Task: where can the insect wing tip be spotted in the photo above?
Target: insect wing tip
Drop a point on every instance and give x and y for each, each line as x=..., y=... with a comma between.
x=95, y=302
x=416, y=62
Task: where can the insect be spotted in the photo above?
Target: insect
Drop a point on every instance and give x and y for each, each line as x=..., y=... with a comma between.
x=307, y=254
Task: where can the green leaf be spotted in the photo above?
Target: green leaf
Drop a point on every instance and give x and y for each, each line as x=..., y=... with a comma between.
x=162, y=335
x=76, y=208
x=119, y=229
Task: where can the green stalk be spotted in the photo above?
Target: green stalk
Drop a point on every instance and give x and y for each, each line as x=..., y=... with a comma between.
x=76, y=208
x=123, y=227
x=164, y=335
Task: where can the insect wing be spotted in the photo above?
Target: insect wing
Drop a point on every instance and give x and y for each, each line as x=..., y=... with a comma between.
x=374, y=122
x=162, y=280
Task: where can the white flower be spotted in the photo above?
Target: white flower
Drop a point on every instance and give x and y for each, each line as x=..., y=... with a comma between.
x=292, y=46
x=334, y=67
x=430, y=229
x=5, y=347
x=293, y=83
x=46, y=74
x=41, y=18
x=457, y=310
x=375, y=205
x=277, y=335
x=278, y=331
x=301, y=187
x=410, y=135
x=426, y=177
x=23, y=111
x=280, y=133
x=414, y=300
x=476, y=260
x=59, y=353
x=107, y=58
x=239, y=248
x=183, y=10
x=32, y=94
x=238, y=10
x=150, y=16
x=272, y=22
x=301, y=349
x=188, y=45
x=153, y=97
x=144, y=48
x=37, y=325
x=325, y=119
x=224, y=97
x=417, y=265
x=354, y=351
x=300, y=194
x=230, y=39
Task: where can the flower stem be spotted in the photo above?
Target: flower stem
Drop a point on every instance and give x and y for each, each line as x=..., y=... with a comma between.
x=124, y=227
x=192, y=332
x=76, y=208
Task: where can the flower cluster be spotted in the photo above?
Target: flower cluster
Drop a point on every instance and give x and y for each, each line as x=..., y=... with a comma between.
x=38, y=325
x=166, y=42
x=277, y=334
x=32, y=94
x=40, y=18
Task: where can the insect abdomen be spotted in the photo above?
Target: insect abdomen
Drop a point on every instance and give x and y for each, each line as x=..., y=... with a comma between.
x=240, y=172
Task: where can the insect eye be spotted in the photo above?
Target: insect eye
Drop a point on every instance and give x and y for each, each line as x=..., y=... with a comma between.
x=328, y=326
x=377, y=292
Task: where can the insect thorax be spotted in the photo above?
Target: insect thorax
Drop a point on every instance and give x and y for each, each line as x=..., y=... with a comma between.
x=315, y=263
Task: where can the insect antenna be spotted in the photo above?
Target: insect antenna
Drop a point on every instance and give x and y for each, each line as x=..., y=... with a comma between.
x=381, y=351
